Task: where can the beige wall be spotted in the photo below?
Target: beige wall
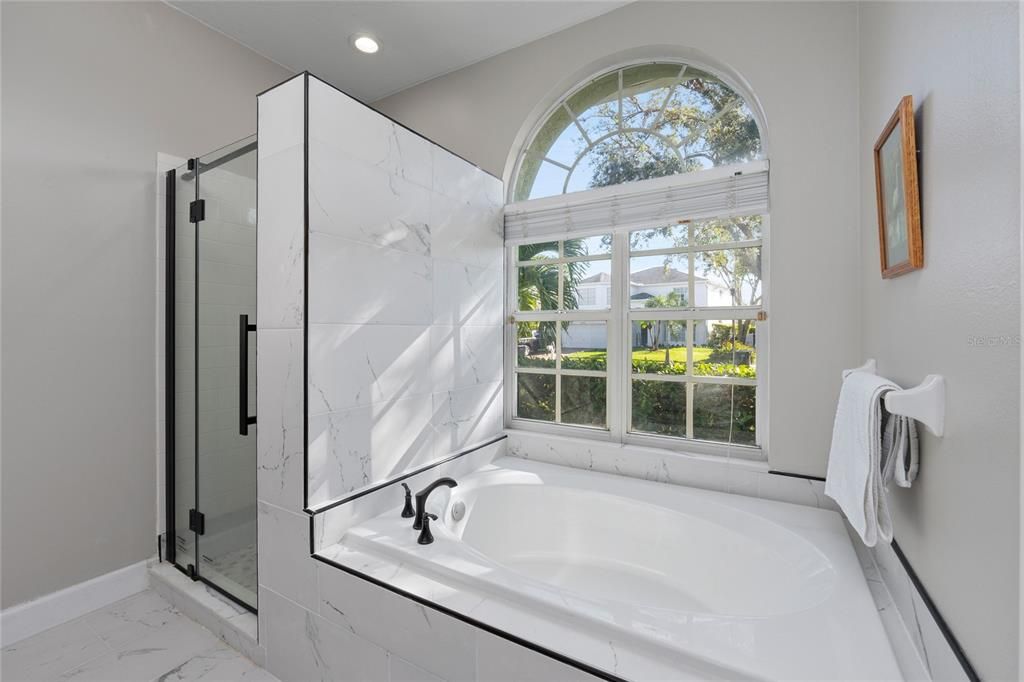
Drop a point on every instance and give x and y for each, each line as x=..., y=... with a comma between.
x=800, y=60
x=92, y=91
x=959, y=523
x=827, y=77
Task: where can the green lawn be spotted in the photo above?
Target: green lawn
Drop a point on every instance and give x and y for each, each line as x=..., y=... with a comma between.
x=700, y=354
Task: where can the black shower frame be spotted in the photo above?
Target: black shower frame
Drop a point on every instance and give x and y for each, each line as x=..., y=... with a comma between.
x=170, y=273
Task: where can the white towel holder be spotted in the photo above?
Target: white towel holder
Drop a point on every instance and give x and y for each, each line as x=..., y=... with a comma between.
x=925, y=402
x=869, y=367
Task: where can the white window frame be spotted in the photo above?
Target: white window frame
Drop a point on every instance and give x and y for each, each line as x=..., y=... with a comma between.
x=619, y=366
x=526, y=137
x=557, y=316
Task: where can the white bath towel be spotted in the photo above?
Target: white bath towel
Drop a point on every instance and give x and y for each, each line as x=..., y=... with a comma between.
x=854, y=477
x=899, y=451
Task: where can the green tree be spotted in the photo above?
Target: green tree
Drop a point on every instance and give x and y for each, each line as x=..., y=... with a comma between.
x=538, y=285
x=710, y=126
x=703, y=124
x=660, y=331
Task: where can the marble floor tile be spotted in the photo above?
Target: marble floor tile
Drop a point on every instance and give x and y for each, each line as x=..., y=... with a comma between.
x=142, y=637
x=51, y=652
x=124, y=622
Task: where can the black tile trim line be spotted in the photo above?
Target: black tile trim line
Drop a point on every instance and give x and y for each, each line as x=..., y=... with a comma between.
x=537, y=648
x=397, y=479
x=947, y=633
x=305, y=289
x=378, y=111
x=792, y=475
x=943, y=626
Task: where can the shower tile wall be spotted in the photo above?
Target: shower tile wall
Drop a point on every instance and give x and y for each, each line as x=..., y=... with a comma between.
x=280, y=264
x=405, y=364
x=405, y=305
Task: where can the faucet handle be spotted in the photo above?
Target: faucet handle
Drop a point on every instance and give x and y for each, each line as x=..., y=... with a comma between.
x=407, y=510
x=426, y=537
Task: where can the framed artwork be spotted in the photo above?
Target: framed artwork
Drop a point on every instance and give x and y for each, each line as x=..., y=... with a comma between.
x=899, y=206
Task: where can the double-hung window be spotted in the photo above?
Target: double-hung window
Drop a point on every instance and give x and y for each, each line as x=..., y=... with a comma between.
x=673, y=351
x=561, y=349
x=693, y=359
x=637, y=261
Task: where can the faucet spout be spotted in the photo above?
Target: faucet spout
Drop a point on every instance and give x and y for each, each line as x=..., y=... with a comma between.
x=421, y=498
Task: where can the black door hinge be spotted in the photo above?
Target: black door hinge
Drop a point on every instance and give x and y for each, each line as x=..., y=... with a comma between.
x=191, y=570
x=196, y=521
x=197, y=211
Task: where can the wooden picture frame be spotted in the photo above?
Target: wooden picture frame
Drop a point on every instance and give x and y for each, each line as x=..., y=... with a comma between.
x=897, y=194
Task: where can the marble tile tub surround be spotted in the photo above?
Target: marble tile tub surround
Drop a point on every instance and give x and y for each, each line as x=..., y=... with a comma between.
x=740, y=476
x=921, y=648
x=362, y=632
x=404, y=301
x=300, y=640
x=329, y=525
x=626, y=656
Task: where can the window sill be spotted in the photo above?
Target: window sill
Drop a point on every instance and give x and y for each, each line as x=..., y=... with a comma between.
x=674, y=447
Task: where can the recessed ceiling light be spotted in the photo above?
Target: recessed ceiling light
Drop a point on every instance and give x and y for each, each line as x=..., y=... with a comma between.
x=365, y=43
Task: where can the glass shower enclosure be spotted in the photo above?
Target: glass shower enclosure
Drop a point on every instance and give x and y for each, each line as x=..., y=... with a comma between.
x=211, y=370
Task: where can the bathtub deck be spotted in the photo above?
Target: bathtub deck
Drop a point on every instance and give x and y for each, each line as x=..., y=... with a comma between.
x=840, y=638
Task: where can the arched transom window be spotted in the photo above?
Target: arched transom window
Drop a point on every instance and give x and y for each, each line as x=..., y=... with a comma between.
x=633, y=123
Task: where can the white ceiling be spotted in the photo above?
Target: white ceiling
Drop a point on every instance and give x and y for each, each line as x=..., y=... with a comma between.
x=419, y=40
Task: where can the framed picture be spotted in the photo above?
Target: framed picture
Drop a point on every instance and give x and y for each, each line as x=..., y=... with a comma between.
x=899, y=206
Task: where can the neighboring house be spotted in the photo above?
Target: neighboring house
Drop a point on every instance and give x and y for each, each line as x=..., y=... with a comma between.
x=594, y=293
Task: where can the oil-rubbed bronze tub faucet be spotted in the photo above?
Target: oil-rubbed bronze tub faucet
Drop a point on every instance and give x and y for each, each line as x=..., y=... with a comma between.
x=421, y=498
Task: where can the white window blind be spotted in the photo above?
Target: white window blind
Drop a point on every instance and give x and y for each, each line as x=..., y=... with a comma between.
x=717, y=192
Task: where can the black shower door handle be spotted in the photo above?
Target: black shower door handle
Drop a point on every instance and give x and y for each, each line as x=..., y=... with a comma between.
x=243, y=375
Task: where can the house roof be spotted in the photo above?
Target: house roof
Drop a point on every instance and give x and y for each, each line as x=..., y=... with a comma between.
x=655, y=275
x=658, y=275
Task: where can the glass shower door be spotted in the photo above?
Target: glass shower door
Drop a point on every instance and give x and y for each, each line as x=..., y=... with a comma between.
x=182, y=382
x=226, y=370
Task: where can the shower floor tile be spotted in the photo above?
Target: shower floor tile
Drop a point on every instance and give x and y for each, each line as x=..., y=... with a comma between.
x=238, y=565
x=142, y=637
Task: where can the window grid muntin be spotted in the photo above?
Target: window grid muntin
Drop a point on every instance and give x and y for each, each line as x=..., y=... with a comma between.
x=690, y=314
x=738, y=100
x=558, y=316
x=619, y=376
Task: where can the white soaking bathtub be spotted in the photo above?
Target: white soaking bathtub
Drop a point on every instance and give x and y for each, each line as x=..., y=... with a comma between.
x=709, y=584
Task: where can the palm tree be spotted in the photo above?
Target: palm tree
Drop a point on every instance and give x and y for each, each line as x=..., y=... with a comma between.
x=538, y=284
x=663, y=329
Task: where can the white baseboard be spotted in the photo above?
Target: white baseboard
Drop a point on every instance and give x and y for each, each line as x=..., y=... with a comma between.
x=32, y=617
